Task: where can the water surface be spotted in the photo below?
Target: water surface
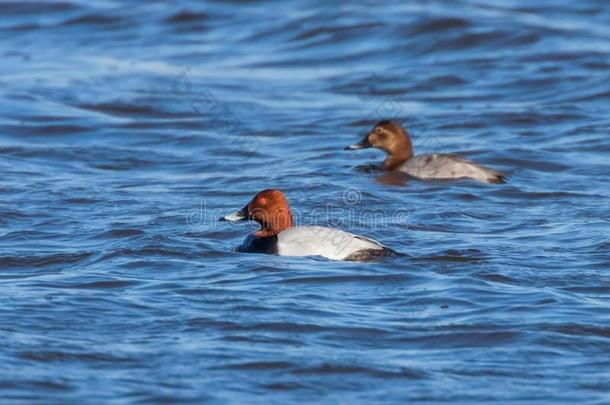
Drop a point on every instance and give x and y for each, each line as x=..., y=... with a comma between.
x=128, y=127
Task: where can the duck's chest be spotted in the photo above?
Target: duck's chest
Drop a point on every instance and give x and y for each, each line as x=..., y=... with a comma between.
x=254, y=244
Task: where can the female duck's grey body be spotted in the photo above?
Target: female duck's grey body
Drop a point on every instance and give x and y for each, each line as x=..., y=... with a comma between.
x=390, y=137
x=446, y=166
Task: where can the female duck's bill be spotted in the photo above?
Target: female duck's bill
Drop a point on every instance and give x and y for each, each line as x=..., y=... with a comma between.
x=279, y=236
x=393, y=139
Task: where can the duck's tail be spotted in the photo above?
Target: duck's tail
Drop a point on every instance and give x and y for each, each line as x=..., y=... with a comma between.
x=489, y=175
x=497, y=178
x=372, y=254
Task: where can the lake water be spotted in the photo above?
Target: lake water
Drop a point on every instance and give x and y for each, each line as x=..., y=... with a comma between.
x=127, y=128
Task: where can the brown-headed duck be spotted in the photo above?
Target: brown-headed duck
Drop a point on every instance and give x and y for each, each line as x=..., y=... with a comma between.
x=279, y=236
x=393, y=139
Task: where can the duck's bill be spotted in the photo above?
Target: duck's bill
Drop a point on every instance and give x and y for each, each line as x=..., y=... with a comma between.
x=237, y=216
x=363, y=144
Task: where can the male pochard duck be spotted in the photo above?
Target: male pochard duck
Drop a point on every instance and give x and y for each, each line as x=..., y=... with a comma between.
x=278, y=235
x=392, y=138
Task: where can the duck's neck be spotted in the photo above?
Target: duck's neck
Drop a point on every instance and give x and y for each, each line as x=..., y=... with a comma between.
x=282, y=220
x=401, y=151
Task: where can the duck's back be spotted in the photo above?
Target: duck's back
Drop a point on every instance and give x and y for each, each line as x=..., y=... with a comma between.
x=327, y=242
x=447, y=166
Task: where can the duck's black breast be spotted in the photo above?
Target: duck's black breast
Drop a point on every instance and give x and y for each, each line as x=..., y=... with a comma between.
x=254, y=244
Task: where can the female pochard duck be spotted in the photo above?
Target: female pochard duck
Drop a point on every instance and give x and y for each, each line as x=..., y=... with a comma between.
x=279, y=236
x=392, y=138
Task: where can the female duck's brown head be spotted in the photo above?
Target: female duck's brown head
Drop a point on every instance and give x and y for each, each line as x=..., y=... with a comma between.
x=390, y=137
x=269, y=208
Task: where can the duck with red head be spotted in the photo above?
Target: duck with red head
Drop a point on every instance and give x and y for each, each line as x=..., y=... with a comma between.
x=279, y=236
x=395, y=141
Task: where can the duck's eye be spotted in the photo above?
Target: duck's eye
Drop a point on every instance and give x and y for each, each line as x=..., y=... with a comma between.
x=378, y=130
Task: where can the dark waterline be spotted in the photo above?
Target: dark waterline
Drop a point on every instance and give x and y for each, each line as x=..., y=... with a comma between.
x=127, y=127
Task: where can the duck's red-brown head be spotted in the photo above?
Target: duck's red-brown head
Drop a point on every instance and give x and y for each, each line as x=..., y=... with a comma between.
x=269, y=208
x=390, y=137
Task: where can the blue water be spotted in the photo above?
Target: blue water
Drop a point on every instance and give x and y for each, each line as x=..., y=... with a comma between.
x=127, y=128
